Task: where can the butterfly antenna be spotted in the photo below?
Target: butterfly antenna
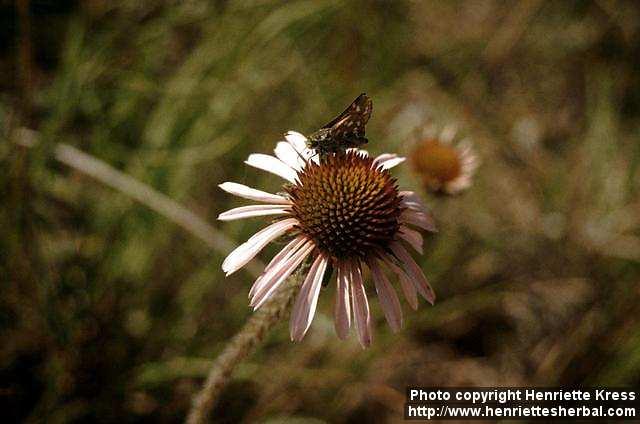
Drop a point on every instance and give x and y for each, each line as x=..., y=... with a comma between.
x=302, y=157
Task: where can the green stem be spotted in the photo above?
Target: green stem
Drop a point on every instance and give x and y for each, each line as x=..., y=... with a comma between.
x=241, y=346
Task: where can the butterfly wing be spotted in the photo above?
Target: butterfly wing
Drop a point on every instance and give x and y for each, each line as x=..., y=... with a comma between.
x=354, y=118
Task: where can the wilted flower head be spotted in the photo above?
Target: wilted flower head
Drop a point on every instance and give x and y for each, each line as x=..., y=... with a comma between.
x=444, y=166
x=343, y=212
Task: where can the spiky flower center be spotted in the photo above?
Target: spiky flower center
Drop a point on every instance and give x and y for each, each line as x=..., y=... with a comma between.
x=348, y=207
x=436, y=162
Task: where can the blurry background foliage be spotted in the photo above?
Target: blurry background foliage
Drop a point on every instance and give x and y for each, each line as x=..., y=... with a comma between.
x=110, y=310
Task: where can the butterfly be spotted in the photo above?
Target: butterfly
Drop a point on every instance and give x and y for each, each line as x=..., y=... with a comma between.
x=345, y=130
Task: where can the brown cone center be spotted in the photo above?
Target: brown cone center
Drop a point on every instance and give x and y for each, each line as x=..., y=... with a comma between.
x=346, y=206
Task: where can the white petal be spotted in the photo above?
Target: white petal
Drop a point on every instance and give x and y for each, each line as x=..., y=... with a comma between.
x=384, y=157
x=273, y=165
x=361, y=313
x=412, y=237
x=283, y=255
x=287, y=154
x=342, y=307
x=299, y=143
x=249, y=249
x=275, y=277
x=469, y=167
x=392, y=162
x=448, y=133
x=361, y=152
x=457, y=185
x=297, y=140
x=387, y=296
x=305, y=307
x=253, y=210
x=388, y=160
x=253, y=194
x=414, y=273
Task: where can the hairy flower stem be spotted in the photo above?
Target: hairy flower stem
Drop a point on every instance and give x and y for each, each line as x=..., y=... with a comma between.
x=242, y=344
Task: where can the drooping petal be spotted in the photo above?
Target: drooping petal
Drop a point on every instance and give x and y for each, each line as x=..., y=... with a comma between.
x=253, y=210
x=283, y=255
x=414, y=272
x=418, y=219
x=387, y=296
x=412, y=237
x=278, y=274
x=287, y=154
x=342, y=307
x=305, y=306
x=246, y=192
x=273, y=165
x=408, y=288
x=361, y=313
x=249, y=249
x=412, y=201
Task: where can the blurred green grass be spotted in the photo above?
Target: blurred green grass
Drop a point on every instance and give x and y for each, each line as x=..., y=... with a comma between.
x=109, y=310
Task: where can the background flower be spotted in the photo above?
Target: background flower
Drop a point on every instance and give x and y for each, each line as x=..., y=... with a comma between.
x=442, y=164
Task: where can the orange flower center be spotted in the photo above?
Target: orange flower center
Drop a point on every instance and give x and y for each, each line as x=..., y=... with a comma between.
x=436, y=162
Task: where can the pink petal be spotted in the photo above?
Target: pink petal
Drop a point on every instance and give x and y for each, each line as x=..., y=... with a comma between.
x=249, y=249
x=412, y=237
x=284, y=254
x=361, y=313
x=342, y=307
x=408, y=288
x=252, y=211
x=273, y=165
x=387, y=296
x=414, y=272
x=305, y=307
x=412, y=201
x=418, y=219
x=278, y=274
x=253, y=194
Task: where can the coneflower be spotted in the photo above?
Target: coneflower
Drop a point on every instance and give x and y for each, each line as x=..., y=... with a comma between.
x=344, y=212
x=443, y=165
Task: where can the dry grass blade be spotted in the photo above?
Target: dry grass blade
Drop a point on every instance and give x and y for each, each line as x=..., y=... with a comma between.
x=141, y=192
